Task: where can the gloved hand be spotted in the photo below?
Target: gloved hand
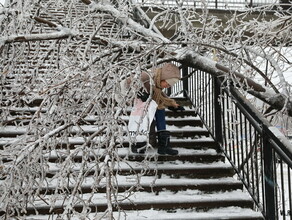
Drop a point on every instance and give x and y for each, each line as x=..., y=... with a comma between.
x=143, y=96
x=179, y=108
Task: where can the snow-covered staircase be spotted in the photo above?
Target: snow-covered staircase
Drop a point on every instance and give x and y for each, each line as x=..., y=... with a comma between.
x=196, y=184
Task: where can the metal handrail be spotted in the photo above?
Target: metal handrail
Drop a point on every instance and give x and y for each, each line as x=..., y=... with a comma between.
x=259, y=153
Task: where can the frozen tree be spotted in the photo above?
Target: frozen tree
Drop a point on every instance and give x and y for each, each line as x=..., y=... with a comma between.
x=69, y=57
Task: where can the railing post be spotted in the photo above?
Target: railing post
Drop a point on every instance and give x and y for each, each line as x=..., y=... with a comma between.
x=218, y=115
x=185, y=73
x=269, y=179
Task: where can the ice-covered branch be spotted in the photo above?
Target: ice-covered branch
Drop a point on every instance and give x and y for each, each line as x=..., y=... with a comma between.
x=273, y=62
x=265, y=77
x=63, y=33
x=7, y=11
x=145, y=17
x=31, y=147
x=44, y=21
x=276, y=100
x=125, y=19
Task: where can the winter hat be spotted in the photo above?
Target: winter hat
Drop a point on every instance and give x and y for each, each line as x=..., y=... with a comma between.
x=169, y=71
x=172, y=81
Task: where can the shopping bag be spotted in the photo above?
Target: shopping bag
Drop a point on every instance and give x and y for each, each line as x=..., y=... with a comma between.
x=141, y=117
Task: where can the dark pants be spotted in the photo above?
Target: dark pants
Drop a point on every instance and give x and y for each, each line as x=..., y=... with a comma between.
x=160, y=119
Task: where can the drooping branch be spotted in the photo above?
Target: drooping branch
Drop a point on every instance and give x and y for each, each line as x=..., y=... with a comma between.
x=125, y=19
x=276, y=100
x=267, y=80
x=63, y=33
x=190, y=58
x=44, y=21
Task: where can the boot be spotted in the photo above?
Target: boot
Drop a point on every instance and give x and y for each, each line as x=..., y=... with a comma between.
x=163, y=143
x=139, y=147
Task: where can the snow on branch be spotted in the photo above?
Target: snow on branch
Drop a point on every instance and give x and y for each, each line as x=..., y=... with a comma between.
x=192, y=59
x=126, y=20
x=63, y=33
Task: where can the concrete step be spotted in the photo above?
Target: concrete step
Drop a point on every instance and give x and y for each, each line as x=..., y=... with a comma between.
x=173, y=168
x=191, y=155
x=230, y=213
x=143, y=200
x=148, y=184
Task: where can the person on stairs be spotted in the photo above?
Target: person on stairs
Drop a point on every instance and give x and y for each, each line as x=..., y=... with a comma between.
x=163, y=77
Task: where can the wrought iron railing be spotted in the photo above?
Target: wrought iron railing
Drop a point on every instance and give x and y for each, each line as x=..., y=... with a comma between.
x=260, y=154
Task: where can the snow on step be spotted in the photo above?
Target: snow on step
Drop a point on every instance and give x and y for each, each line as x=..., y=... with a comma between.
x=136, y=166
x=181, y=214
x=20, y=130
x=147, y=181
x=123, y=152
x=93, y=128
x=82, y=140
x=12, y=130
x=127, y=200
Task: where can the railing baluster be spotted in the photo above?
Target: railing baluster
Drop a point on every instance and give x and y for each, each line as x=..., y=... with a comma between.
x=245, y=172
x=210, y=105
x=218, y=113
x=185, y=82
x=201, y=98
x=252, y=159
x=241, y=144
x=248, y=156
x=237, y=138
x=207, y=100
x=223, y=101
x=289, y=190
x=233, y=131
x=283, y=210
x=269, y=179
x=257, y=170
x=275, y=176
x=228, y=126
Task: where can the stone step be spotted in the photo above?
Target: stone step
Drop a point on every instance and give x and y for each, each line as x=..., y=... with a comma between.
x=149, y=184
x=173, y=168
x=194, y=143
x=12, y=130
x=191, y=155
x=183, y=133
x=184, y=121
x=230, y=213
x=143, y=200
x=29, y=108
